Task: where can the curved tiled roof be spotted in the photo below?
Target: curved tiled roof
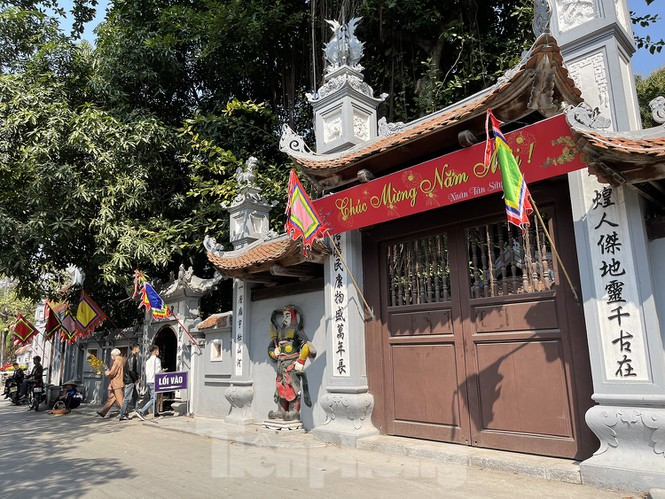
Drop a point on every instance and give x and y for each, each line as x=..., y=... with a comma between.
x=630, y=157
x=261, y=255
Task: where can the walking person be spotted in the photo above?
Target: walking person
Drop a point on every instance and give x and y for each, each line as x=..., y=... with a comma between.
x=152, y=366
x=130, y=377
x=115, y=375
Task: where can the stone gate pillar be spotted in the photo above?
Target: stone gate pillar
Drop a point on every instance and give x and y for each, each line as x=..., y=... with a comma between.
x=622, y=326
x=347, y=402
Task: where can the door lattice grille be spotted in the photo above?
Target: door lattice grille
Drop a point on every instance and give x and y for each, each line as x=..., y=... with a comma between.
x=503, y=261
x=418, y=271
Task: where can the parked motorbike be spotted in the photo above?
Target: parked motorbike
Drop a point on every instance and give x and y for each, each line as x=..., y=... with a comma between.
x=13, y=390
x=38, y=396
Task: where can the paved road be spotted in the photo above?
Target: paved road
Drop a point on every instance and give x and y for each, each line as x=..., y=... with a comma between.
x=86, y=456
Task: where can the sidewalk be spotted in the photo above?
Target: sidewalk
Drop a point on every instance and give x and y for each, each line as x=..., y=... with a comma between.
x=553, y=469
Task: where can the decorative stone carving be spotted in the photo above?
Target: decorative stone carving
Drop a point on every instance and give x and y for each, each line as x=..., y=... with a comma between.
x=343, y=49
x=602, y=420
x=291, y=142
x=193, y=285
x=348, y=412
x=240, y=398
x=361, y=127
x=334, y=84
x=542, y=16
x=621, y=13
x=656, y=422
x=572, y=13
x=332, y=128
x=246, y=176
x=583, y=116
x=211, y=244
x=386, y=129
x=658, y=109
x=634, y=435
x=591, y=73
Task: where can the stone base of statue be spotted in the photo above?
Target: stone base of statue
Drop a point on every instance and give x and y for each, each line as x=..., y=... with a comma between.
x=284, y=426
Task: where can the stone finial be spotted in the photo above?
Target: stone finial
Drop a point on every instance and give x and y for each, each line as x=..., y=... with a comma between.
x=658, y=109
x=344, y=48
x=542, y=15
x=246, y=175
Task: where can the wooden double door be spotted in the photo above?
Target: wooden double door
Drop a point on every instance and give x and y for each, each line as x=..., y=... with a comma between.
x=479, y=339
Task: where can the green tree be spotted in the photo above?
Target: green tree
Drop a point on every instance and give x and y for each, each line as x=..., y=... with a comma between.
x=648, y=89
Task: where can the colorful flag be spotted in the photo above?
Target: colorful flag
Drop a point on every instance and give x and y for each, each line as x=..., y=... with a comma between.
x=150, y=299
x=53, y=323
x=69, y=329
x=302, y=218
x=515, y=191
x=153, y=302
x=24, y=331
x=88, y=315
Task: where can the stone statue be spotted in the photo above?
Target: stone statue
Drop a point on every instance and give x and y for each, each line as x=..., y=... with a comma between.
x=290, y=348
x=344, y=48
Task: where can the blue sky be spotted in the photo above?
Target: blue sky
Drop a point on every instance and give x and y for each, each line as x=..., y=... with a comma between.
x=643, y=62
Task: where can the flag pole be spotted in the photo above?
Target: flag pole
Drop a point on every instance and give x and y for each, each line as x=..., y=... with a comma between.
x=339, y=254
x=554, y=250
x=185, y=329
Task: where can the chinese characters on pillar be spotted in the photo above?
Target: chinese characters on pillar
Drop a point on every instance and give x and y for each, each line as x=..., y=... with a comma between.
x=239, y=325
x=339, y=301
x=622, y=335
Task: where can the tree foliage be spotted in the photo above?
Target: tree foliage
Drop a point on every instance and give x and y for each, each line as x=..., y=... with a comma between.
x=648, y=89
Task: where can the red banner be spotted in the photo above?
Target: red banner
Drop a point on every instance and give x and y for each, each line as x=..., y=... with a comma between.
x=543, y=150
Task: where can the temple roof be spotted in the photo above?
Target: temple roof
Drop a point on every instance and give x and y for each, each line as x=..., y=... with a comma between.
x=271, y=261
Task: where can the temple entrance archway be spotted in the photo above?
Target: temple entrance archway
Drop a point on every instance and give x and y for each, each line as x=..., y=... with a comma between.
x=167, y=341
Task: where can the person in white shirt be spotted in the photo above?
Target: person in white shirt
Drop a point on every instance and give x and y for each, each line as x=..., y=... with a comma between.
x=152, y=366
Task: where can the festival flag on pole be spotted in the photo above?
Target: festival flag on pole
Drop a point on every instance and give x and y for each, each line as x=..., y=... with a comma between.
x=302, y=218
x=153, y=302
x=53, y=323
x=515, y=191
x=24, y=330
x=88, y=315
x=150, y=299
x=69, y=329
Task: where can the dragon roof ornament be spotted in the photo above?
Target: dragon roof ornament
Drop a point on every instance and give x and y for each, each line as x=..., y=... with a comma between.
x=344, y=48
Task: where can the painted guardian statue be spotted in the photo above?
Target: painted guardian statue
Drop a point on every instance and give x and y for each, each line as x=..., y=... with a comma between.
x=290, y=348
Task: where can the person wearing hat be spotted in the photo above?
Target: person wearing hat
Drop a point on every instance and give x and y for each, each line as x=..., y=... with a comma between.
x=116, y=384
x=71, y=397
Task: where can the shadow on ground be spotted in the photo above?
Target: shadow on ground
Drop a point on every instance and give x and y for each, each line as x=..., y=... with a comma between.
x=38, y=458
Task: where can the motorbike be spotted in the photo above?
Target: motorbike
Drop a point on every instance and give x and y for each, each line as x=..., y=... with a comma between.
x=13, y=390
x=34, y=394
x=38, y=396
